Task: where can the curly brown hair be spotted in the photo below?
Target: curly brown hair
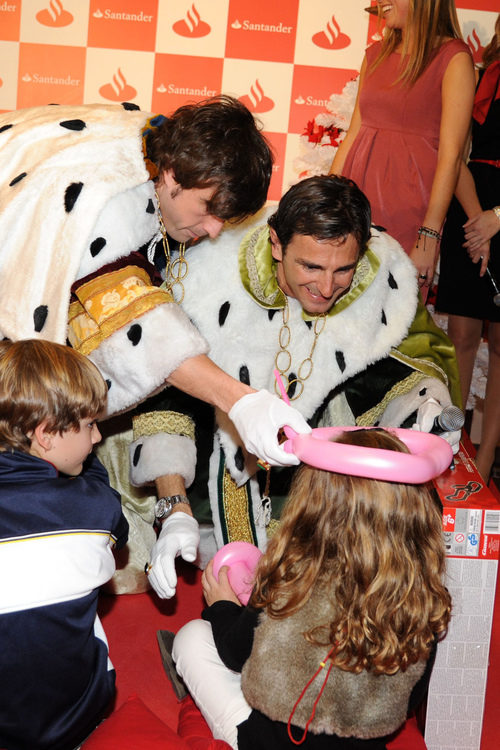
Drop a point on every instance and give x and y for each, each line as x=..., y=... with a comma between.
x=216, y=143
x=376, y=550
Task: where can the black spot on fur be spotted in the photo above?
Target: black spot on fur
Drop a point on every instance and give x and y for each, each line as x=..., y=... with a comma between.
x=379, y=228
x=244, y=375
x=223, y=312
x=271, y=314
x=150, y=208
x=5, y=127
x=376, y=424
x=40, y=316
x=292, y=387
x=17, y=179
x=108, y=383
x=96, y=246
x=392, y=281
x=339, y=356
x=134, y=333
x=130, y=105
x=73, y=124
x=422, y=392
x=238, y=459
x=308, y=323
x=137, y=454
x=383, y=318
x=71, y=195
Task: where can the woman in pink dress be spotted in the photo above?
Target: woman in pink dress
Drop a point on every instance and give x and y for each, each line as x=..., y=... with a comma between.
x=410, y=123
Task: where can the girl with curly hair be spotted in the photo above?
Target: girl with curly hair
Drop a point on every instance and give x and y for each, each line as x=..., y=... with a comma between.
x=337, y=642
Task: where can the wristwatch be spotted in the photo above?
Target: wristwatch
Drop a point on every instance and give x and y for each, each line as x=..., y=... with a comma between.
x=164, y=506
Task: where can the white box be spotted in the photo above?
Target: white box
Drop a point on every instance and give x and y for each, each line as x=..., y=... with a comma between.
x=471, y=530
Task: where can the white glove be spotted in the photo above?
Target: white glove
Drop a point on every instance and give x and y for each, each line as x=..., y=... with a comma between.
x=258, y=417
x=179, y=535
x=426, y=415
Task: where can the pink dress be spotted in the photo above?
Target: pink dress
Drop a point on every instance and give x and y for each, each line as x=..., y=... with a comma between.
x=394, y=156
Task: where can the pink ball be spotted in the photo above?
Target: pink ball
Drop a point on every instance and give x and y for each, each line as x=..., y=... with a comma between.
x=242, y=559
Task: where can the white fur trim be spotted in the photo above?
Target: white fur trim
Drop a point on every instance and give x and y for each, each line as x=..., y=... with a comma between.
x=125, y=225
x=135, y=372
x=39, y=237
x=162, y=454
x=401, y=407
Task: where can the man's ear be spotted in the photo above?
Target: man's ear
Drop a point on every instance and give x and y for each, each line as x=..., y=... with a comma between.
x=276, y=249
x=167, y=177
x=42, y=436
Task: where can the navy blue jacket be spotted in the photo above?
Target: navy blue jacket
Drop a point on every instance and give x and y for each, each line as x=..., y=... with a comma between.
x=56, y=539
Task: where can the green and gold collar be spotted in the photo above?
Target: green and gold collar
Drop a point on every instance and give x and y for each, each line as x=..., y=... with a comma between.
x=258, y=273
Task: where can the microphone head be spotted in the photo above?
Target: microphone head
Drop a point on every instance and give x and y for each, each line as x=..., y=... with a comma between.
x=451, y=418
x=496, y=300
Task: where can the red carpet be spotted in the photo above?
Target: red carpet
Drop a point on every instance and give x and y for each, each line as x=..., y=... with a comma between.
x=131, y=623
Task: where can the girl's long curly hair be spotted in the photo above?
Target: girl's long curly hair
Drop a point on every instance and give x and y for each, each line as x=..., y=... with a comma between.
x=375, y=549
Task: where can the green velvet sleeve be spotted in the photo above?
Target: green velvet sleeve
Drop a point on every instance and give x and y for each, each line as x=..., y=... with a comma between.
x=428, y=349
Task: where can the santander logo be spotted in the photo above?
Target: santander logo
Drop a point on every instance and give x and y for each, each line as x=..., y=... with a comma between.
x=118, y=90
x=256, y=100
x=331, y=37
x=192, y=25
x=475, y=46
x=54, y=15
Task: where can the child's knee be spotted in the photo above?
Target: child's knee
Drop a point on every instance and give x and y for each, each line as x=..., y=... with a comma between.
x=191, y=641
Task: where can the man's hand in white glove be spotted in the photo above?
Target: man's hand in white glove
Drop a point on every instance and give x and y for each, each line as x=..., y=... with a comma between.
x=426, y=415
x=179, y=535
x=258, y=417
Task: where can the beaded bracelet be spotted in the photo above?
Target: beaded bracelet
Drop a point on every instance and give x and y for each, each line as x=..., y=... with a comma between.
x=496, y=211
x=428, y=232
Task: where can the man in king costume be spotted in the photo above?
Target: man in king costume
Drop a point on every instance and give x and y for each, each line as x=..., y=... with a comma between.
x=94, y=199
x=331, y=303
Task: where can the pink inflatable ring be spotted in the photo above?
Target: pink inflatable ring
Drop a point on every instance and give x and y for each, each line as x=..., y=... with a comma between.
x=429, y=455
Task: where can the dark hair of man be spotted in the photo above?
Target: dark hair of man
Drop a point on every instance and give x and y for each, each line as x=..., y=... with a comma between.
x=326, y=208
x=216, y=142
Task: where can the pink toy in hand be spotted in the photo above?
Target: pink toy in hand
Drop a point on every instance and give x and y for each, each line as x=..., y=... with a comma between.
x=242, y=559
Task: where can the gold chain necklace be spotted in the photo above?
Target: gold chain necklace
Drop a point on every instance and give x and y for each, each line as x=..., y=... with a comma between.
x=177, y=270
x=283, y=355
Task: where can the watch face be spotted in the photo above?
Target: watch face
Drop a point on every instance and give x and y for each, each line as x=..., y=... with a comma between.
x=160, y=507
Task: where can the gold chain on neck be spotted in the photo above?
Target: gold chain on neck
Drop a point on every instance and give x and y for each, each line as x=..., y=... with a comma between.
x=177, y=270
x=305, y=368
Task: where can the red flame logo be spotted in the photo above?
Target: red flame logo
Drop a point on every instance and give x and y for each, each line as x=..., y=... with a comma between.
x=118, y=90
x=191, y=25
x=476, y=47
x=54, y=15
x=331, y=37
x=256, y=100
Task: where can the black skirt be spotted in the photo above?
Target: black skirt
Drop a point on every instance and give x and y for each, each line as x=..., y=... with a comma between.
x=461, y=291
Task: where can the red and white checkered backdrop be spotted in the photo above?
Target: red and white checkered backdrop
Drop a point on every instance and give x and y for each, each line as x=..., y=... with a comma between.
x=282, y=58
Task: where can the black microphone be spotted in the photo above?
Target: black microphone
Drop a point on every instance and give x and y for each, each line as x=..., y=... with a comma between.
x=451, y=418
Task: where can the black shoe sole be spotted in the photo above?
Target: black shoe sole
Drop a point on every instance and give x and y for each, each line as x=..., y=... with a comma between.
x=165, y=641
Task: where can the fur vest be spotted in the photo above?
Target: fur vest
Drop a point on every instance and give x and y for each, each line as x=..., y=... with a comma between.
x=282, y=662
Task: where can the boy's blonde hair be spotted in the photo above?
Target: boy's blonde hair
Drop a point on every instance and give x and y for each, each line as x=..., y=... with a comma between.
x=41, y=381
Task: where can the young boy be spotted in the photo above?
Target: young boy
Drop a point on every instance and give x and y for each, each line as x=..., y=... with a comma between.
x=59, y=520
